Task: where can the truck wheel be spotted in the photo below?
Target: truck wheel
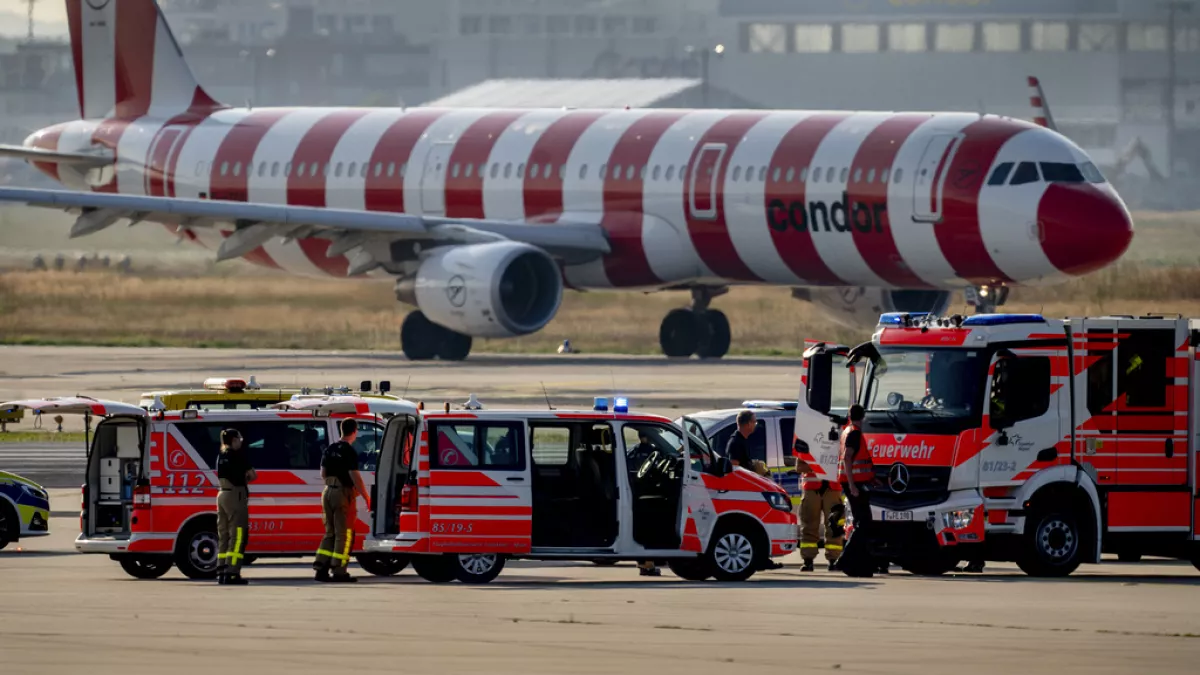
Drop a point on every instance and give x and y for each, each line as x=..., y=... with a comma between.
x=382, y=565
x=1129, y=556
x=690, y=569
x=196, y=552
x=1053, y=547
x=145, y=567
x=734, y=554
x=476, y=568
x=433, y=568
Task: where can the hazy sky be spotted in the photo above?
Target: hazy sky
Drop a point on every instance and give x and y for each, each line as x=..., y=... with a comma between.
x=50, y=17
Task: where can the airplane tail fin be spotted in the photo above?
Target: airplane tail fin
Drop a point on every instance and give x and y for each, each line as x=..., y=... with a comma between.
x=127, y=62
x=1041, y=109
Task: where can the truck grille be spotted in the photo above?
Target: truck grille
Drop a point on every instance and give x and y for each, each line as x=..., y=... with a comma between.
x=926, y=486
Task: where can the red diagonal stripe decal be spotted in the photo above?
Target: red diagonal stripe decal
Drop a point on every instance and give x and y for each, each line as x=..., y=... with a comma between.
x=543, y=194
x=464, y=194
x=391, y=158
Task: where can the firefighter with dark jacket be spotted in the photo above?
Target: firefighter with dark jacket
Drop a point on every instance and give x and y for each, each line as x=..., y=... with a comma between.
x=343, y=483
x=857, y=473
x=233, y=508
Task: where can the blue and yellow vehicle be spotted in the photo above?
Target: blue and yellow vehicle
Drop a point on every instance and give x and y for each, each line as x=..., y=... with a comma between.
x=24, y=509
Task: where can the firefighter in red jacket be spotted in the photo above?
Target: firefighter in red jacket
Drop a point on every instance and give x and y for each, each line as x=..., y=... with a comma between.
x=818, y=498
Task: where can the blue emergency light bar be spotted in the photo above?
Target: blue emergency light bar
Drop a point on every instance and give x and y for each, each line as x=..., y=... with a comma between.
x=1002, y=319
x=620, y=405
x=773, y=405
x=898, y=318
x=600, y=404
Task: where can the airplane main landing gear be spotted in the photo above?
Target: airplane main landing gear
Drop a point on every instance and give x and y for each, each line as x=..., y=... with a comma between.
x=422, y=340
x=697, y=330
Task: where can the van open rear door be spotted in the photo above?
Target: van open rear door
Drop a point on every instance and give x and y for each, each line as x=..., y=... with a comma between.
x=395, y=471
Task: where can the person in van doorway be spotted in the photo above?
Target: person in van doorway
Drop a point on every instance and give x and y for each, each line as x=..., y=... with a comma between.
x=339, y=469
x=857, y=473
x=738, y=449
x=233, y=508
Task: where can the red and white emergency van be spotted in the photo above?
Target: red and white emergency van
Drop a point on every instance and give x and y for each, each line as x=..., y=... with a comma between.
x=462, y=491
x=1020, y=438
x=149, y=499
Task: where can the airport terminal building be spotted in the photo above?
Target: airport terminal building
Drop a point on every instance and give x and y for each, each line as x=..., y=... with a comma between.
x=1122, y=76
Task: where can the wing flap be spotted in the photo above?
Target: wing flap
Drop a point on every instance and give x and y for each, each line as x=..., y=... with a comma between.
x=54, y=157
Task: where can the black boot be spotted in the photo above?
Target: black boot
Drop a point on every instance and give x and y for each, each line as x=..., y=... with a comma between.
x=236, y=580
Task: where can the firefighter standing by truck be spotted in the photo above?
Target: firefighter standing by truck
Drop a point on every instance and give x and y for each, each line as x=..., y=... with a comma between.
x=819, y=497
x=857, y=473
x=233, y=508
x=339, y=469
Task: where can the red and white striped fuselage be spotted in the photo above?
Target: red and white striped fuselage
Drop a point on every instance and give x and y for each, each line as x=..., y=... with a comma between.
x=795, y=198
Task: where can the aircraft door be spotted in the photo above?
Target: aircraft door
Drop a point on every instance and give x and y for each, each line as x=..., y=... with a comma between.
x=433, y=179
x=930, y=177
x=702, y=184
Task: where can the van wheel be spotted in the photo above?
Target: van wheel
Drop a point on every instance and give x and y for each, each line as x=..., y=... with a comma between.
x=476, y=568
x=690, y=570
x=733, y=554
x=1054, y=546
x=433, y=568
x=382, y=565
x=196, y=552
x=145, y=567
x=10, y=526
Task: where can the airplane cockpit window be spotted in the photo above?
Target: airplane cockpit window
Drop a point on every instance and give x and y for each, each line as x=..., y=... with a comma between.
x=1091, y=173
x=1026, y=173
x=1061, y=172
x=1000, y=174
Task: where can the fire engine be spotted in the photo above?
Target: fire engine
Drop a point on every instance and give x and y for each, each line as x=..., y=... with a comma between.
x=1014, y=437
x=459, y=492
x=149, y=500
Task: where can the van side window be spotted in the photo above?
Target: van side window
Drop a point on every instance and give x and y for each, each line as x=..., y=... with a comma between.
x=272, y=445
x=1020, y=389
x=366, y=445
x=1142, y=370
x=483, y=445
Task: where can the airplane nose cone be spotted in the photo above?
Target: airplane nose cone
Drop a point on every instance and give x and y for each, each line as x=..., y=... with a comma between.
x=1084, y=228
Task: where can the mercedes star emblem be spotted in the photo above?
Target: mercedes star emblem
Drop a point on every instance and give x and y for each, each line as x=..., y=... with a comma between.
x=456, y=291
x=898, y=478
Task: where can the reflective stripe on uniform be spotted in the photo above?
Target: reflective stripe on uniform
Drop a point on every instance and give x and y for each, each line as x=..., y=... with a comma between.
x=235, y=555
x=807, y=544
x=322, y=551
x=832, y=547
x=345, y=557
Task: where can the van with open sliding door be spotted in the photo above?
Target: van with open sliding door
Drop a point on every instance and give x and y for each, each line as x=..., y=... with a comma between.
x=460, y=492
x=149, y=495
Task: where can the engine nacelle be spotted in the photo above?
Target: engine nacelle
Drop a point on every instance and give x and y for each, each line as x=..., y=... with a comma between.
x=500, y=289
x=859, y=308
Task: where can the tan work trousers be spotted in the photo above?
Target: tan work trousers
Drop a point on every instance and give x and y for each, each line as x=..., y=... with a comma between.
x=233, y=528
x=814, y=511
x=338, y=513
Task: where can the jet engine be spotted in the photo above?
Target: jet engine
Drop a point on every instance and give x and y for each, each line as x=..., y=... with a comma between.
x=857, y=307
x=498, y=289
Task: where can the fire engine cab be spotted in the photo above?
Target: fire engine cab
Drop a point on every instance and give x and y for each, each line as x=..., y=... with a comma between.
x=1014, y=437
x=149, y=500
x=462, y=491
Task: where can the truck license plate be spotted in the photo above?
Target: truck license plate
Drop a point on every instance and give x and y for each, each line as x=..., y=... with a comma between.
x=897, y=515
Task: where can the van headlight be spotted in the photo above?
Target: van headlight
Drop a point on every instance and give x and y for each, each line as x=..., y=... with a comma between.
x=958, y=520
x=778, y=500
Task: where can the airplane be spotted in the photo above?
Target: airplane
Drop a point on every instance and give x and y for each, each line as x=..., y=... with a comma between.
x=485, y=216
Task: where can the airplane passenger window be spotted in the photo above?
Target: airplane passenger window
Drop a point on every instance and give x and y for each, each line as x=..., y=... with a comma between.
x=224, y=168
x=642, y=172
x=804, y=174
x=454, y=170
x=352, y=170
x=508, y=170
x=775, y=175
x=274, y=169
x=654, y=174
x=845, y=175
x=582, y=171
x=237, y=168
x=391, y=169
x=816, y=174
x=682, y=172
x=899, y=175
x=403, y=169
x=1091, y=173
x=871, y=176
x=562, y=171
x=1026, y=173
x=737, y=173
x=883, y=175
x=287, y=170
x=1060, y=172
x=629, y=172
x=468, y=170
x=262, y=169
x=495, y=169
x=337, y=170
x=378, y=169
x=362, y=170
x=762, y=173
x=791, y=173
x=603, y=171
x=858, y=175
x=671, y=171
x=1000, y=174
x=521, y=171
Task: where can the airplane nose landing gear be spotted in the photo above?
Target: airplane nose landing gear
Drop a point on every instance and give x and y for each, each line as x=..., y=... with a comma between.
x=985, y=299
x=698, y=330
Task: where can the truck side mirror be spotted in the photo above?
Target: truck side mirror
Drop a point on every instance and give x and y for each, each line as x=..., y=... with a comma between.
x=820, y=381
x=722, y=466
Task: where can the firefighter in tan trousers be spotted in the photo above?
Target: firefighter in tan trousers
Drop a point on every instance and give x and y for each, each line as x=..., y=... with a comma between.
x=233, y=508
x=343, y=483
x=818, y=498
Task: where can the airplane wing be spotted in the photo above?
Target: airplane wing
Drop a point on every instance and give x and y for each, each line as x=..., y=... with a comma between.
x=348, y=230
x=53, y=157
